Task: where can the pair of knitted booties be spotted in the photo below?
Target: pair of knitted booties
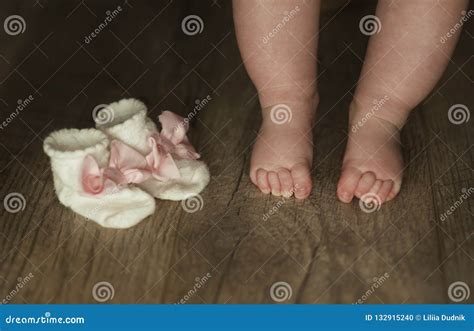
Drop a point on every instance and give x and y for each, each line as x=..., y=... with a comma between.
x=111, y=174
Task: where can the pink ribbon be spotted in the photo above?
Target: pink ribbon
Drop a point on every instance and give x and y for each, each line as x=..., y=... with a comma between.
x=173, y=136
x=127, y=165
x=93, y=178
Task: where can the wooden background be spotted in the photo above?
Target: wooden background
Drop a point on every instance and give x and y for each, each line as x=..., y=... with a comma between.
x=326, y=251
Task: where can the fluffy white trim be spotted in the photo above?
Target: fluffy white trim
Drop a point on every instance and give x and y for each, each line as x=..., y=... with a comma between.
x=121, y=112
x=129, y=124
x=73, y=143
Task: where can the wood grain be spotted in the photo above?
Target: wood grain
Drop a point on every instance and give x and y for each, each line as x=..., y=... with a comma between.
x=327, y=252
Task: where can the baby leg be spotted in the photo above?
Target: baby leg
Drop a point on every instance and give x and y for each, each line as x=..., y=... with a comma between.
x=277, y=41
x=403, y=63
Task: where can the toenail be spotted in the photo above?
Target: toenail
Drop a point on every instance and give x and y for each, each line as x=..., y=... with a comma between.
x=265, y=191
x=301, y=196
x=303, y=193
x=301, y=189
x=346, y=196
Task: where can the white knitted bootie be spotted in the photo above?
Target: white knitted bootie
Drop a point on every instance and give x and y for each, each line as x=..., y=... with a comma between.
x=177, y=175
x=78, y=161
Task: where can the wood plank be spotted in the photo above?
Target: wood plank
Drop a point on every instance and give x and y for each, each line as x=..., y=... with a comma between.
x=325, y=251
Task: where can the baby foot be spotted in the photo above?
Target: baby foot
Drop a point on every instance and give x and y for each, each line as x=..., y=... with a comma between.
x=373, y=163
x=283, y=152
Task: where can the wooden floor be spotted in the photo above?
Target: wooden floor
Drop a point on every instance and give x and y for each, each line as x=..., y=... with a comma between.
x=227, y=252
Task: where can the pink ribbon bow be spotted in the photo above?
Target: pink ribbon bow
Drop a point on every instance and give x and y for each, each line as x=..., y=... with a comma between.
x=173, y=136
x=127, y=165
x=93, y=178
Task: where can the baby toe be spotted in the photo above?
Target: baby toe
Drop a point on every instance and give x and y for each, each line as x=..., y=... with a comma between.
x=262, y=181
x=391, y=195
x=376, y=187
x=274, y=183
x=385, y=190
x=395, y=189
x=365, y=183
x=253, y=176
x=301, y=180
x=286, y=182
x=372, y=194
x=347, y=184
